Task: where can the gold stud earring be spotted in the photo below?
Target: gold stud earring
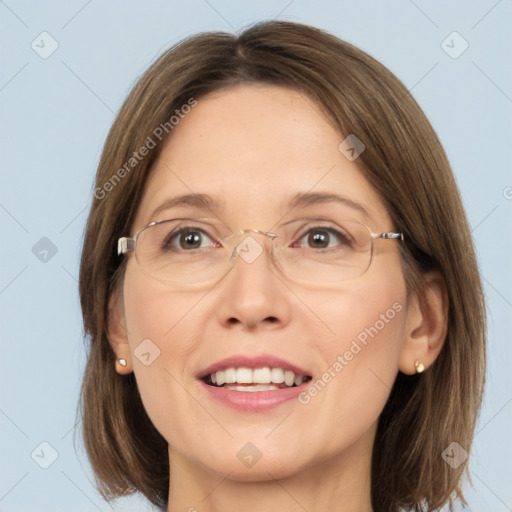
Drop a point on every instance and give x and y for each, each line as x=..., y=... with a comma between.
x=122, y=361
x=419, y=366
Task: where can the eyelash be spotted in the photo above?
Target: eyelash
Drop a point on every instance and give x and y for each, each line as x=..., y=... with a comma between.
x=344, y=237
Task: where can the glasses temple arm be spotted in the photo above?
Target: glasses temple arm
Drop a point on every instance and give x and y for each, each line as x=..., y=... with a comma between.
x=391, y=236
x=125, y=244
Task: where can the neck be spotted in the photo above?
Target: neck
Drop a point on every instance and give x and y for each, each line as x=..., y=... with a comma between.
x=339, y=484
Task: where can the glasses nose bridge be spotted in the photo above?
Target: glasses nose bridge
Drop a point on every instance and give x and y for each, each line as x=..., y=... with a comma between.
x=250, y=251
x=258, y=231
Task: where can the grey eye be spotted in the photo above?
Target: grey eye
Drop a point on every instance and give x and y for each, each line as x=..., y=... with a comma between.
x=186, y=239
x=325, y=238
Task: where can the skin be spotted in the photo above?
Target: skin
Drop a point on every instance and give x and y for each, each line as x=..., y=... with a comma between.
x=254, y=147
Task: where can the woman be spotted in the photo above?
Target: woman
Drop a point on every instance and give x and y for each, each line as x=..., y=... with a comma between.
x=279, y=285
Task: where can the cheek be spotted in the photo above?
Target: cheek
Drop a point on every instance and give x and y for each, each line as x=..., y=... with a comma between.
x=161, y=338
x=153, y=310
x=361, y=355
x=368, y=317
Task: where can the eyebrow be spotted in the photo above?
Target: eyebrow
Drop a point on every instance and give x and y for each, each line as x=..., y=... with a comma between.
x=299, y=200
x=199, y=201
x=304, y=199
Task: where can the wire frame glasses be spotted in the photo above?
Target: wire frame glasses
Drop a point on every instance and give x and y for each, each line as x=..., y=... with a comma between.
x=199, y=251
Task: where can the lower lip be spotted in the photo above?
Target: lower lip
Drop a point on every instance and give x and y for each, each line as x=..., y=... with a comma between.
x=254, y=401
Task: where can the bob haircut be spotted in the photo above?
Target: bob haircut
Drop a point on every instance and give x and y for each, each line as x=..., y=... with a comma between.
x=406, y=164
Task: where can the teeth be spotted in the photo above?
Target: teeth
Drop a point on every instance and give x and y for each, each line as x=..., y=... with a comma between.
x=262, y=375
x=259, y=377
x=231, y=376
x=254, y=387
x=289, y=377
x=277, y=375
x=243, y=375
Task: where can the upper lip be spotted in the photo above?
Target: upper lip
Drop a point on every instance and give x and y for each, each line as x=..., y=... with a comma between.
x=241, y=361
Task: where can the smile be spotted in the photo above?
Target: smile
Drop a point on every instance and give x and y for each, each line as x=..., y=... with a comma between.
x=257, y=379
x=253, y=384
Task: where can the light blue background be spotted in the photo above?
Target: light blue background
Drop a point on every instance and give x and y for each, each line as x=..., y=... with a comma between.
x=55, y=114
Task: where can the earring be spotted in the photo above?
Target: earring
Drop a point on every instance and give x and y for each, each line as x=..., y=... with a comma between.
x=419, y=366
x=122, y=361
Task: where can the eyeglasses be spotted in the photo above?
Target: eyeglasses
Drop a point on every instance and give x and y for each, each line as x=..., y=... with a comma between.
x=187, y=251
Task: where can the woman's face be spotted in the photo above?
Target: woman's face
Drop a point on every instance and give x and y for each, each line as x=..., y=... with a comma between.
x=253, y=148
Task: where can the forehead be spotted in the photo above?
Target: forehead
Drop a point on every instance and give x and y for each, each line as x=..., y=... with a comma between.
x=254, y=148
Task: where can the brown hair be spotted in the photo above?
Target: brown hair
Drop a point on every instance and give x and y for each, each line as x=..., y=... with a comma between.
x=404, y=161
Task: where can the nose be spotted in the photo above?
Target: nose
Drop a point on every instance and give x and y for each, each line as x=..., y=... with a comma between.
x=254, y=295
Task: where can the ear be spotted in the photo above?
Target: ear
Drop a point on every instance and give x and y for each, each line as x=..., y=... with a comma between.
x=118, y=334
x=426, y=324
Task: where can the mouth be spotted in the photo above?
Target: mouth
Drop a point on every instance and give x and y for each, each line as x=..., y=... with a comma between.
x=264, y=378
x=253, y=384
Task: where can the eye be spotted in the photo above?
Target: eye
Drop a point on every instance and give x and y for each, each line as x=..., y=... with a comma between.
x=186, y=239
x=325, y=238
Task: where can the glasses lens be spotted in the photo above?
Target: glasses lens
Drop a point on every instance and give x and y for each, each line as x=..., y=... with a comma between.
x=325, y=252
x=188, y=251
x=182, y=251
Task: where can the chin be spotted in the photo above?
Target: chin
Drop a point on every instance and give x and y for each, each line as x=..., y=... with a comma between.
x=259, y=472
